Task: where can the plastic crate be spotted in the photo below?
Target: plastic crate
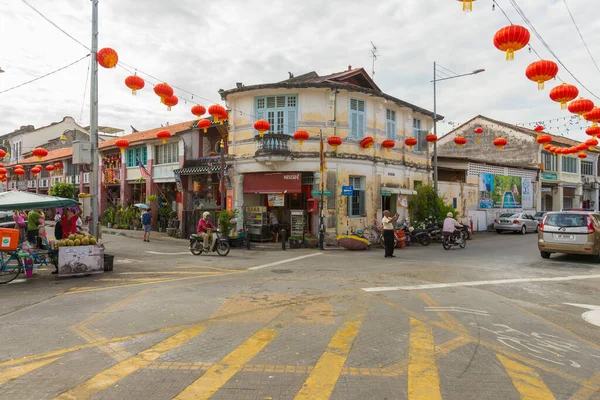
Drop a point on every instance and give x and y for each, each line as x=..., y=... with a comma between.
x=108, y=262
x=9, y=239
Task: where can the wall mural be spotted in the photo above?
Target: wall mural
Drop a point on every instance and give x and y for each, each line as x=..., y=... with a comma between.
x=499, y=191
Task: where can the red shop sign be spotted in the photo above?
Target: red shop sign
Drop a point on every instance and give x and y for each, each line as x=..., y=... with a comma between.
x=273, y=182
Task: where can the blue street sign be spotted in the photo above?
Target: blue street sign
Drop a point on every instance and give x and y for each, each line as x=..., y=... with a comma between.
x=347, y=190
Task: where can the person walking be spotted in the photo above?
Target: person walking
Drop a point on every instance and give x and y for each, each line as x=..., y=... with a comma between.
x=388, y=233
x=33, y=222
x=20, y=219
x=147, y=223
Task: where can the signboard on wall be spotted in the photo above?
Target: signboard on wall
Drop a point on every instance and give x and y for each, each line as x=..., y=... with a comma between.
x=276, y=200
x=527, y=193
x=500, y=191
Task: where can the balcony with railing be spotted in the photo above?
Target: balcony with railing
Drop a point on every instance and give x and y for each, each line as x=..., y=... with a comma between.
x=273, y=146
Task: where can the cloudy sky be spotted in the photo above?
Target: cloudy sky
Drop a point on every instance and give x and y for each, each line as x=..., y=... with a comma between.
x=201, y=46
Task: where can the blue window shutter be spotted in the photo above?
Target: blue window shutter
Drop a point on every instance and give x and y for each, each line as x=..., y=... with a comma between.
x=129, y=157
x=144, y=157
x=361, y=125
x=292, y=121
x=364, y=120
x=353, y=120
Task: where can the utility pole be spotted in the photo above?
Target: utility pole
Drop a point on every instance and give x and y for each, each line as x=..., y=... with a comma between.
x=322, y=201
x=222, y=175
x=435, y=155
x=374, y=56
x=94, y=121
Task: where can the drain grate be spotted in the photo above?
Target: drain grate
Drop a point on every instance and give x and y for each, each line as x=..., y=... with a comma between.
x=282, y=271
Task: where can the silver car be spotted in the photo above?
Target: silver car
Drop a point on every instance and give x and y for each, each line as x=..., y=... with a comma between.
x=516, y=222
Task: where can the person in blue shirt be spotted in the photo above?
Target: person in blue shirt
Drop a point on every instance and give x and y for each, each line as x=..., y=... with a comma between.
x=146, y=222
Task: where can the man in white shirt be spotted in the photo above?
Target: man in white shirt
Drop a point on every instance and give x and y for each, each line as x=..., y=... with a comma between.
x=388, y=233
x=450, y=224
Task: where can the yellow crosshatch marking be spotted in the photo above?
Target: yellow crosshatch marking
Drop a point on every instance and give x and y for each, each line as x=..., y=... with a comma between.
x=125, y=368
x=528, y=383
x=423, y=378
x=9, y=374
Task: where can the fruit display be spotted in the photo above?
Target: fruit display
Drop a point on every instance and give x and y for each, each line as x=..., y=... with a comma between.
x=82, y=239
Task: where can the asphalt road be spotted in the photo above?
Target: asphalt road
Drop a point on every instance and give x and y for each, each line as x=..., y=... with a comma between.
x=491, y=321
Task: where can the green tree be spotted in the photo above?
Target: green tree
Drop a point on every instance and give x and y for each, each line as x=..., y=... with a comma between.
x=65, y=190
x=225, y=224
x=427, y=204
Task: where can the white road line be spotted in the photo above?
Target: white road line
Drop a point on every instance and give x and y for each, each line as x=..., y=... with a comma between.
x=168, y=254
x=593, y=317
x=459, y=310
x=282, y=262
x=482, y=283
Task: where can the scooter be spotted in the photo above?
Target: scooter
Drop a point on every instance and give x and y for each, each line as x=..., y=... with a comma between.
x=217, y=243
x=450, y=239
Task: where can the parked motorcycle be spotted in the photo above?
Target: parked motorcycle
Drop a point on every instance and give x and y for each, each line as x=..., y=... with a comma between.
x=417, y=235
x=455, y=238
x=217, y=242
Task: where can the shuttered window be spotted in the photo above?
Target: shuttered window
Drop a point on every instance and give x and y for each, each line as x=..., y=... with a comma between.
x=167, y=153
x=420, y=135
x=133, y=153
x=390, y=124
x=357, y=119
x=358, y=206
x=280, y=111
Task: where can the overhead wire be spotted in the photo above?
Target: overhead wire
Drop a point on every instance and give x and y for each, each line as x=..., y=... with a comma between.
x=43, y=76
x=87, y=77
x=449, y=70
x=581, y=36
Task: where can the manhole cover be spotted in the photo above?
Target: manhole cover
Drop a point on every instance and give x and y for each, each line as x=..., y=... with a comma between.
x=282, y=271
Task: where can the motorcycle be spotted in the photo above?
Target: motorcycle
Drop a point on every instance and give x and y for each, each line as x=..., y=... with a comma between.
x=465, y=232
x=456, y=238
x=417, y=236
x=217, y=242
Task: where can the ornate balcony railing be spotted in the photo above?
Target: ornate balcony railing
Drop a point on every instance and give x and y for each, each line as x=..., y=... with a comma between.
x=273, y=145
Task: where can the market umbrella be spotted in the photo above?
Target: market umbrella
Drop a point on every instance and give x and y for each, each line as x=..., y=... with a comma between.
x=142, y=206
x=15, y=200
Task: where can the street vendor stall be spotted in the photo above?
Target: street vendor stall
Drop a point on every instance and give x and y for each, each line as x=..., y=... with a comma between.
x=77, y=255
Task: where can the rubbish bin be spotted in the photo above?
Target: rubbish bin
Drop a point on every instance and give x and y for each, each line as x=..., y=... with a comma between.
x=108, y=262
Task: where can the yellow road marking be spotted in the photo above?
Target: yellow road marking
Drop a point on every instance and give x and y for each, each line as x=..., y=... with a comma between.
x=125, y=368
x=423, y=378
x=318, y=312
x=585, y=393
x=10, y=374
x=221, y=372
x=322, y=379
x=527, y=382
x=446, y=317
x=87, y=289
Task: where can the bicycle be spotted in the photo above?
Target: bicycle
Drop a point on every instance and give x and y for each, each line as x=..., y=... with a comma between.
x=11, y=267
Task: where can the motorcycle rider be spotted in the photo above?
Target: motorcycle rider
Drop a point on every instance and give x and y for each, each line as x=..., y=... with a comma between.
x=203, y=226
x=450, y=225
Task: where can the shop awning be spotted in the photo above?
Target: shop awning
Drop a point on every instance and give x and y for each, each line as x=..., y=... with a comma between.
x=386, y=191
x=15, y=200
x=197, y=170
x=273, y=182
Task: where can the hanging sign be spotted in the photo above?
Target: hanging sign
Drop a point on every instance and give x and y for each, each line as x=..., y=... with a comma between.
x=347, y=190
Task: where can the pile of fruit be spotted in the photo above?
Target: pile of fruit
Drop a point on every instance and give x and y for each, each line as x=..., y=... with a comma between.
x=82, y=239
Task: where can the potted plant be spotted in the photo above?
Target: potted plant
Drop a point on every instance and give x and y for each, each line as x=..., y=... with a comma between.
x=310, y=240
x=296, y=242
x=227, y=221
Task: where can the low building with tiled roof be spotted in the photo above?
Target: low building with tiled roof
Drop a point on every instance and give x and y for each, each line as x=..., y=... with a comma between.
x=562, y=182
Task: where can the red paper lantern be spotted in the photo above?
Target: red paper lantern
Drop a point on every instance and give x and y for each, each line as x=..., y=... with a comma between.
x=581, y=147
x=38, y=167
x=478, y=131
x=122, y=144
x=134, y=83
x=591, y=143
x=582, y=156
x=170, y=101
x=431, y=139
x=538, y=128
x=49, y=168
x=3, y=171
x=58, y=165
x=410, y=142
x=19, y=171
x=1, y=165
x=107, y=57
x=541, y=71
x=460, y=141
x=510, y=39
x=500, y=143
x=204, y=124
x=198, y=110
x=40, y=152
x=593, y=116
x=18, y=166
x=2, y=153
x=219, y=113
x=335, y=141
x=593, y=131
x=581, y=106
x=544, y=139
x=163, y=91
x=163, y=135
x=261, y=125
x=563, y=94
x=35, y=171
x=467, y=5
x=388, y=144
x=299, y=135
x=367, y=142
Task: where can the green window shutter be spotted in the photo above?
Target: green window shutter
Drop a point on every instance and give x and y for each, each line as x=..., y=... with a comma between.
x=144, y=157
x=292, y=121
x=129, y=157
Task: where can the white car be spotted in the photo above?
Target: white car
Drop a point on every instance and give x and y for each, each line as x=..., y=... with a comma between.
x=515, y=222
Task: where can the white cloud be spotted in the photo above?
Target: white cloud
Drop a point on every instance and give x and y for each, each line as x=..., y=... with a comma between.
x=204, y=46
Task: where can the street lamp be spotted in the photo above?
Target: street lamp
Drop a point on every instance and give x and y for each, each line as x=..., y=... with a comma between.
x=435, y=79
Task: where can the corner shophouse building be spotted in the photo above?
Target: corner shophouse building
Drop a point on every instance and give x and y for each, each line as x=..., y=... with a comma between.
x=556, y=182
x=346, y=104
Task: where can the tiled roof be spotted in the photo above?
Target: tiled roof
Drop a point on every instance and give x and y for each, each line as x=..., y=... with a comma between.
x=134, y=138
